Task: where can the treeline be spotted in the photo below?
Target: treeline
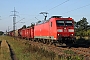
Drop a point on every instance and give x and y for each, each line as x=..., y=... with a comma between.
x=32, y=24
x=82, y=27
x=1, y=33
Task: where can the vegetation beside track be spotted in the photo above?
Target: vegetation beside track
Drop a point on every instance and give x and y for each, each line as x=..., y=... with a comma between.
x=25, y=51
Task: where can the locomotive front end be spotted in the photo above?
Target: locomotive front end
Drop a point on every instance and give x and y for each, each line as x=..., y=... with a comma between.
x=65, y=30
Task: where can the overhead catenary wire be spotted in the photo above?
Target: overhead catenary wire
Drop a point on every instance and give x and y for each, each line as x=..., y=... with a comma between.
x=57, y=5
x=66, y=11
x=77, y=8
x=19, y=20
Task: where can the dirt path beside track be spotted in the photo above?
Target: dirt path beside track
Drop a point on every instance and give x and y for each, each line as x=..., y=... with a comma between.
x=6, y=53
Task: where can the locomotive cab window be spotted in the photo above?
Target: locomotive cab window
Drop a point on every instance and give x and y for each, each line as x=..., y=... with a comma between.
x=68, y=23
x=51, y=24
x=60, y=23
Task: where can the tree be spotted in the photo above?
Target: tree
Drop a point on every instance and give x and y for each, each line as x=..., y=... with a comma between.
x=28, y=27
x=24, y=26
x=82, y=24
x=82, y=27
x=32, y=24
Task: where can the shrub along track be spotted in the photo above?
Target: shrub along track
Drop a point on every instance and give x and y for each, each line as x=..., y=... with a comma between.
x=6, y=49
x=82, y=51
x=85, y=52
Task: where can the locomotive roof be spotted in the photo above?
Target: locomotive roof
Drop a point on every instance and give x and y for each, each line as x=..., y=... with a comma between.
x=56, y=16
x=44, y=21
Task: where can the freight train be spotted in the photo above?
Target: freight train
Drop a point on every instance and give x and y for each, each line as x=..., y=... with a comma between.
x=55, y=30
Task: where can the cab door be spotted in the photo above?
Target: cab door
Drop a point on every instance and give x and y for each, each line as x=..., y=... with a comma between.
x=50, y=30
x=53, y=30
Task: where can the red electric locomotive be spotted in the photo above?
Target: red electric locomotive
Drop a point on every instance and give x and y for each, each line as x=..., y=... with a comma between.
x=56, y=29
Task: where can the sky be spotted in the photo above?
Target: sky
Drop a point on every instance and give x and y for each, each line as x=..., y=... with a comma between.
x=28, y=11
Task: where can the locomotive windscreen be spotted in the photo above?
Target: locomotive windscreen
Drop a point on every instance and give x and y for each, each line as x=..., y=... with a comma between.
x=60, y=23
x=68, y=23
x=63, y=23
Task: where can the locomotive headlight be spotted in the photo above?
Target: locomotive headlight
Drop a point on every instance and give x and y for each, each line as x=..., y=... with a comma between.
x=55, y=38
x=72, y=34
x=58, y=34
x=71, y=30
x=59, y=30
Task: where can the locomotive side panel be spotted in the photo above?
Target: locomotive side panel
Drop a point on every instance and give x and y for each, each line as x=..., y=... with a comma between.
x=38, y=31
x=45, y=31
x=52, y=29
x=42, y=31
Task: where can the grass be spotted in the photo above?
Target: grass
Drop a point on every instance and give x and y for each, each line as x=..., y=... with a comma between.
x=4, y=52
x=73, y=55
x=69, y=52
x=25, y=51
x=22, y=52
x=40, y=52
